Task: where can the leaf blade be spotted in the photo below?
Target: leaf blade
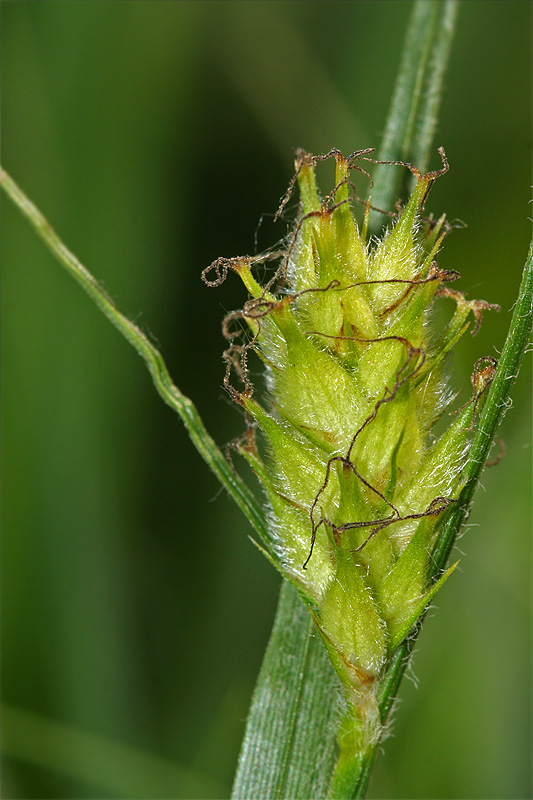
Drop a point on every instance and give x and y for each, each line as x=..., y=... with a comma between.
x=153, y=359
x=286, y=751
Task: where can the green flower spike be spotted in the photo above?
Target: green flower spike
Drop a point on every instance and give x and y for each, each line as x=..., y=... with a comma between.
x=357, y=483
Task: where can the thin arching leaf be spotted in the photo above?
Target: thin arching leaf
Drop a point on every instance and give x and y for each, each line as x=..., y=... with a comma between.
x=153, y=359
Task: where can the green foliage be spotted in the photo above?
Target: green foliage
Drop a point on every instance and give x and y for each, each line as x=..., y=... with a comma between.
x=135, y=126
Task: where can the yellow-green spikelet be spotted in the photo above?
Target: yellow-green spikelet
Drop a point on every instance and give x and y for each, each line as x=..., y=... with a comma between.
x=357, y=484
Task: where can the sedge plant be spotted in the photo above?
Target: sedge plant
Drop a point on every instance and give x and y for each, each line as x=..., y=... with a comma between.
x=362, y=500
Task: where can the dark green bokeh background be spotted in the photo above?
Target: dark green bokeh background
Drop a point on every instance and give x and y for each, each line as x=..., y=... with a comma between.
x=154, y=135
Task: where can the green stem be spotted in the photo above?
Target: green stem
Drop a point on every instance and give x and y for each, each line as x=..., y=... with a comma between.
x=153, y=359
x=364, y=775
x=428, y=108
x=347, y=774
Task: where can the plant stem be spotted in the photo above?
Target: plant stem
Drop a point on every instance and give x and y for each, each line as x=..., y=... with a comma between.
x=429, y=105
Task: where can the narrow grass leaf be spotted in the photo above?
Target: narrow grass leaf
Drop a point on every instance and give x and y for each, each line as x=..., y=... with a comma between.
x=497, y=403
x=153, y=359
x=289, y=745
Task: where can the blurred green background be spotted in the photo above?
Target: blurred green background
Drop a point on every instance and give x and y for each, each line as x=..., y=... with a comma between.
x=154, y=136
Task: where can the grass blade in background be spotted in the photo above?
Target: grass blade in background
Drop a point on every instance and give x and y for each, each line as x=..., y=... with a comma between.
x=96, y=761
x=428, y=108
